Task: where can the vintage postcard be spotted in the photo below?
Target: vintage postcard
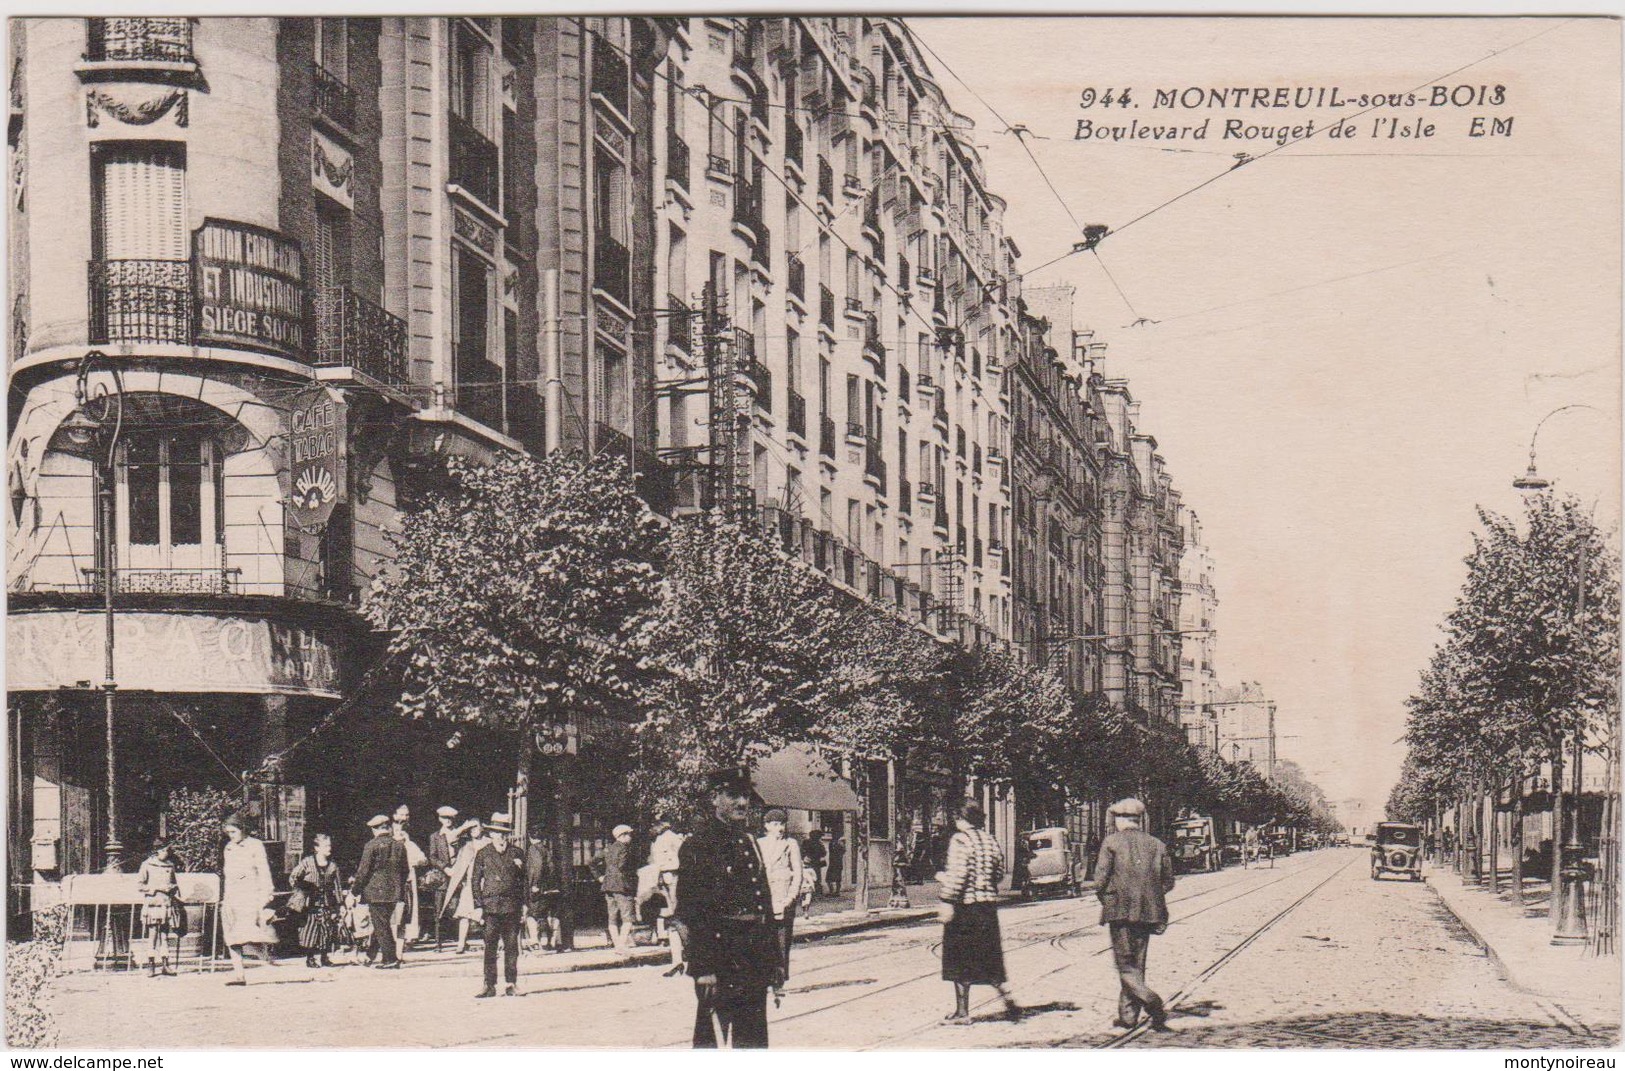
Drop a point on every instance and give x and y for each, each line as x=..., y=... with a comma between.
x=830, y=531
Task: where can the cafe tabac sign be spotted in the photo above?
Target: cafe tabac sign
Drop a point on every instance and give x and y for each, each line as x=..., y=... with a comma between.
x=316, y=439
x=251, y=288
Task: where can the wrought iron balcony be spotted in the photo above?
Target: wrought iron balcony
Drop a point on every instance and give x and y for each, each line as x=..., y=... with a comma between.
x=851, y=185
x=826, y=306
x=856, y=433
x=335, y=100
x=874, y=465
x=826, y=436
x=609, y=74
x=793, y=138
x=351, y=331
x=797, y=276
x=854, y=304
x=873, y=348
x=473, y=160
x=718, y=165
x=612, y=268
x=141, y=301
x=679, y=324
x=142, y=39
x=940, y=518
x=203, y=580
x=796, y=416
x=677, y=161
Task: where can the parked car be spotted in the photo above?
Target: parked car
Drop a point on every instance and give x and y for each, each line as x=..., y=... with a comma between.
x=1195, y=846
x=1397, y=849
x=1054, y=863
x=1278, y=839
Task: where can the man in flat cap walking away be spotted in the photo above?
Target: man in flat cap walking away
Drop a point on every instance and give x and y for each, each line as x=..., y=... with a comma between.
x=381, y=884
x=732, y=950
x=1133, y=876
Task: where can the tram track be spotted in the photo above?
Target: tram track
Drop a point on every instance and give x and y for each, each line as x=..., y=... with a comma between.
x=1190, y=988
x=923, y=1027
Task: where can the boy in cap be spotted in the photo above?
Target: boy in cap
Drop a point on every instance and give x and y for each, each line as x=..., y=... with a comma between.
x=1133, y=876
x=499, y=892
x=617, y=876
x=727, y=908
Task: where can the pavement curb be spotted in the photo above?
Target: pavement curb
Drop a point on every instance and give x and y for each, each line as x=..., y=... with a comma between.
x=1479, y=939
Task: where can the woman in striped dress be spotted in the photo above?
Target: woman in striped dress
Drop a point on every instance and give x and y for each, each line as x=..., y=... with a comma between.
x=972, y=952
x=318, y=884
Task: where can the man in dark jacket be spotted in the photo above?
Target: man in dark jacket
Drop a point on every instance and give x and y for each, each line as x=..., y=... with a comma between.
x=726, y=905
x=617, y=875
x=1133, y=877
x=381, y=883
x=499, y=891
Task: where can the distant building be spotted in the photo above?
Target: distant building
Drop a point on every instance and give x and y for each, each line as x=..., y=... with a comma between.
x=1199, y=599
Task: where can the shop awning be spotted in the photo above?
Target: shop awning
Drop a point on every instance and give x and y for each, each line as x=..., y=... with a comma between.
x=798, y=776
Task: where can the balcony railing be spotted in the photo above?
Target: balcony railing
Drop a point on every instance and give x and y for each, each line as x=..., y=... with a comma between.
x=851, y=185
x=753, y=369
x=797, y=413
x=797, y=272
x=873, y=348
x=612, y=268
x=609, y=74
x=873, y=464
x=718, y=165
x=854, y=304
x=473, y=160
x=352, y=331
x=677, y=161
x=164, y=40
x=793, y=146
x=856, y=433
x=679, y=324
x=141, y=301
x=211, y=580
x=826, y=306
x=334, y=99
x=826, y=181
x=826, y=436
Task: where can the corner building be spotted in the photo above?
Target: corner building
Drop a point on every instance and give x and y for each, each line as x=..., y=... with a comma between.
x=268, y=226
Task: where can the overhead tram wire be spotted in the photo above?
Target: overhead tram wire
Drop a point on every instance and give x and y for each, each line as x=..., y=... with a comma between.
x=1234, y=168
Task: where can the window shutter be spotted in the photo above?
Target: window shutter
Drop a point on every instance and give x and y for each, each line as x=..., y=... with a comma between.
x=143, y=204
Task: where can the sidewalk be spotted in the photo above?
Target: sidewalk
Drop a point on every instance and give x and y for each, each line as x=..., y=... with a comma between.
x=1518, y=940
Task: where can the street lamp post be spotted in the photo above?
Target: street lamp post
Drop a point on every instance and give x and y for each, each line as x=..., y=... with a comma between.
x=97, y=422
x=1569, y=920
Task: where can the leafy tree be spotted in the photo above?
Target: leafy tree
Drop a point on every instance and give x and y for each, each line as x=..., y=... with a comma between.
x=517, y=596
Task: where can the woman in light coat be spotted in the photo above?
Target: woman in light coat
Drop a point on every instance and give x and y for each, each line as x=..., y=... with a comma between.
x=460, y=886
x=972, y=951
x=245, y=902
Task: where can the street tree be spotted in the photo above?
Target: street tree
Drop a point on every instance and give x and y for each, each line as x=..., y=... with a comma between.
x=517, y=595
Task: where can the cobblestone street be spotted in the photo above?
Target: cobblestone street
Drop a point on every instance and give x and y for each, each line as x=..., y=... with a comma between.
x=1311, y=953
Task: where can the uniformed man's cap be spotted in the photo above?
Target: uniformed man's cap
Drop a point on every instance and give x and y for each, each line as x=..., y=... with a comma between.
x=378, y=821
x=618, y=830
x=446, y=812
x=500, y=822
x=735, y=779
x=1127, y=808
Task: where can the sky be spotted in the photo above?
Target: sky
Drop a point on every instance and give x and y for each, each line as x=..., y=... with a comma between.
x=1345, y=345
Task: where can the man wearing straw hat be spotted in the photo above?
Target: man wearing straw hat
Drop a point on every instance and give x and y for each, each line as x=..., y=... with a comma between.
x=499, y=891
x=727, y=907
x=1133, y=876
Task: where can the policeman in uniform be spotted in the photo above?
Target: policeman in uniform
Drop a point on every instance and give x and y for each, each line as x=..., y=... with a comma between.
x=728, y=911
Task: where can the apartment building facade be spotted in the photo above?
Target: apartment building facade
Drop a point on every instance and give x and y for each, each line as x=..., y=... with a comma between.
x=312, y=259
x=1198, y=605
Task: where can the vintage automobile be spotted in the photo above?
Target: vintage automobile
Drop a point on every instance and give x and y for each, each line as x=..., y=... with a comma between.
x=1278, y=841
x=1195, y=846
x=1397, y=849
x=1054, y=863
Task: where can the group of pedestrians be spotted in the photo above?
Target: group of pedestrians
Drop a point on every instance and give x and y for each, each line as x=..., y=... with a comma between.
x=728, y=902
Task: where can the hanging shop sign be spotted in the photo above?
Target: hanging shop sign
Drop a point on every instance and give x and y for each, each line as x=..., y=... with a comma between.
x=316, y=438
x=332, y=169
x=251, y=287
x=170, y=652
